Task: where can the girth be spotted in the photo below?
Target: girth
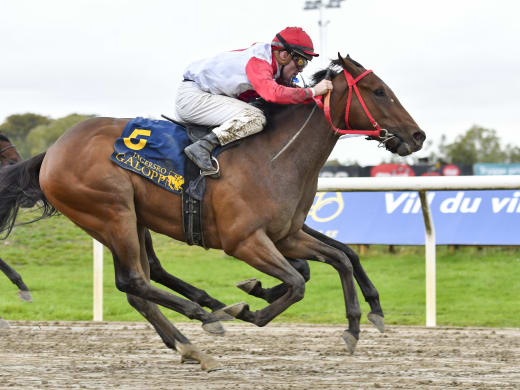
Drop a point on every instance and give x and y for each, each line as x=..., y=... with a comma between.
x=194, y=188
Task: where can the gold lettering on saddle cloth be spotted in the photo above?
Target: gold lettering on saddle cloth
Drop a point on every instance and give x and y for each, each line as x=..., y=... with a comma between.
x=159, y=175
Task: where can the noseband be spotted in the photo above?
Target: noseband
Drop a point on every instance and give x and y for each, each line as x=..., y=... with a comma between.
x=6, y=148
x=324, y=103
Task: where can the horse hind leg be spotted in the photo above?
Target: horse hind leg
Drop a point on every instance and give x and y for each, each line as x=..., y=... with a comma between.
x=132, y=277
x=15, y=277
x=160, y=275
x=170, y=335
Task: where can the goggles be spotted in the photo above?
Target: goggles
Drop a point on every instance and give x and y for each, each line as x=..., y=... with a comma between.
x=300, y=61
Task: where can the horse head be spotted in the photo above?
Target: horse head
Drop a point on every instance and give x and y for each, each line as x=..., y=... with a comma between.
x=8, y=153
x=375, y=106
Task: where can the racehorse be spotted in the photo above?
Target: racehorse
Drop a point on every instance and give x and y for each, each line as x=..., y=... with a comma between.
x=9, y=156
x=255, y=211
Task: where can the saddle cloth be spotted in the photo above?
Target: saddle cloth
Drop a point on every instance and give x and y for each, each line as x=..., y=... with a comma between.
x=154, y=149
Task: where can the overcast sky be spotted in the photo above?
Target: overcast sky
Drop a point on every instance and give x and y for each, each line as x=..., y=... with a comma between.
x=452, y=63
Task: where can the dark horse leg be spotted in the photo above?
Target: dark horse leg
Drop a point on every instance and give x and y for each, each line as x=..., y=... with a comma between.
x=160, y=275
x=254, y=287
x=15, y=277
x=133, y=278
x=260, y=252
x=368, y=289
x=169, y=334
x=304, y=246
x=370, y=293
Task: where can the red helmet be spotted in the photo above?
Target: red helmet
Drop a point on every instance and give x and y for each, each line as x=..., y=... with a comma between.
x=294, y=39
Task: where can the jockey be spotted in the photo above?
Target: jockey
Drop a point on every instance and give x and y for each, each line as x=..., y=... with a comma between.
x=215, y=90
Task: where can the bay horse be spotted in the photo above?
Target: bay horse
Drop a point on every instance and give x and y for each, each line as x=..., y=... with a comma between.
x=8, y=156
x=255, y=212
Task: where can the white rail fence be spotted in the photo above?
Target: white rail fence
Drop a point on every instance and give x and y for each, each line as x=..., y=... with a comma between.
x=370, y=184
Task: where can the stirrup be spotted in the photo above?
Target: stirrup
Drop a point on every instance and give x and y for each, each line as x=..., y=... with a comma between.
x=215, y=173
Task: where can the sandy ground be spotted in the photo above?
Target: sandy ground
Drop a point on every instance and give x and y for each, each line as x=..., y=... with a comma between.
x=87, y=355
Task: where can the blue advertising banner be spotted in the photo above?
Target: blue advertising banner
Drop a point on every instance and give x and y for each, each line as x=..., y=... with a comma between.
x=487, y=169
x=459, y=217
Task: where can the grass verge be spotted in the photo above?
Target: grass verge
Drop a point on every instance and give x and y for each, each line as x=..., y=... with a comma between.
x=474, y=287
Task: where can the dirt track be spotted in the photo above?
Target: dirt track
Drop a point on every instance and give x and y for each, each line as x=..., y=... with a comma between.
x=72, y=355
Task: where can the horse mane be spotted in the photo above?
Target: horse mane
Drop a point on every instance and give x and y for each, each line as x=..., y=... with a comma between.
x=335, y=67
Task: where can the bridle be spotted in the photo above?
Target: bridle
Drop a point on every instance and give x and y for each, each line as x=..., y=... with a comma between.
x=383, y=135
x=4, y=149
x=324, y=103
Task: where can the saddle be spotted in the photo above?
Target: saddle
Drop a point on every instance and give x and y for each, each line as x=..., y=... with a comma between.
x=195, y=187
x=194, y=132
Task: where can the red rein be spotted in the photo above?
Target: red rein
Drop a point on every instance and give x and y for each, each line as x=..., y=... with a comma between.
x=325, y=106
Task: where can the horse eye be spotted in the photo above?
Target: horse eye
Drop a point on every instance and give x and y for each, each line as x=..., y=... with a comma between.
x=379, y=92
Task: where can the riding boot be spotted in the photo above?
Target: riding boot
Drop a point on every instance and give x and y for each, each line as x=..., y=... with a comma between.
x=200, y=153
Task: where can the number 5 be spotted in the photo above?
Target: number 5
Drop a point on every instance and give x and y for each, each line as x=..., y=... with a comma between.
x=142, y=142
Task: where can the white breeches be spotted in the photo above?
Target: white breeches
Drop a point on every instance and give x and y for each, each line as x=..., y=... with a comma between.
x=235, y=119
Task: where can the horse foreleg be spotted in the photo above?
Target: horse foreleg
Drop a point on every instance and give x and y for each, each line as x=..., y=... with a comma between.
x=259, y=251
x=15, y=277
x=302, y=245
x=254, y=287
x=369, y=291
x=160, y=275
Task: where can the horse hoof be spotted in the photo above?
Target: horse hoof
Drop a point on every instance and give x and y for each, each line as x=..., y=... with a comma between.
x=214, y=328
x=190, y=353
x=188, y=360
x=350, y=340
x=25, y=295
x=221, y=315
x=248, y=285
x=4, y=324
x=209, y=364
x=378, y=321
x=236, y=309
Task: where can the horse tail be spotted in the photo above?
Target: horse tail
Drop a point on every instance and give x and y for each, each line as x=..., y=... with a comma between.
x=20, y=187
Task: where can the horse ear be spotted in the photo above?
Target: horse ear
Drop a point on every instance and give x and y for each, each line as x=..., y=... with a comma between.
x=341, y=59
x=348, y=64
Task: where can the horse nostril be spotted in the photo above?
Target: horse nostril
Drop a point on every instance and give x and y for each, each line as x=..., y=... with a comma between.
x=419, y=136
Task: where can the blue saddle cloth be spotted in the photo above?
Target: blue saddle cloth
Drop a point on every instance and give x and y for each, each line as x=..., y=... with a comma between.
x=153, y=149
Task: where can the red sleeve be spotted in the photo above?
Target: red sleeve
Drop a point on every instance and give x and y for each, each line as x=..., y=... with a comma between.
x=260, y=75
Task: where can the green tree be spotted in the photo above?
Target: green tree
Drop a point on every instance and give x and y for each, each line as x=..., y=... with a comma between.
x=513, y=153
x=478, y=144
x=43, y=136
x=18, y=126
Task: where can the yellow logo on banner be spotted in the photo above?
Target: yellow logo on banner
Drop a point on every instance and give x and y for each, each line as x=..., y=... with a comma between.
x=320, y=201
x=141, y=142
x=175, y=182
